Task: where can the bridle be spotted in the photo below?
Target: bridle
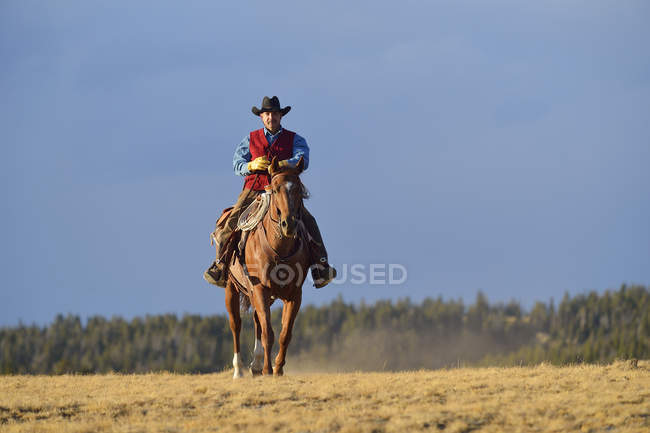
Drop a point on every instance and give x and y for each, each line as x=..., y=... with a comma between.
x=277, y=226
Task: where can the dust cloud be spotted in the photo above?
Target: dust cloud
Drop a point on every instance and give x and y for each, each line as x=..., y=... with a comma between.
x=389, y=350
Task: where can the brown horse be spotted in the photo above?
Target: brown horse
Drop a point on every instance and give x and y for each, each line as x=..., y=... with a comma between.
x=276, y=259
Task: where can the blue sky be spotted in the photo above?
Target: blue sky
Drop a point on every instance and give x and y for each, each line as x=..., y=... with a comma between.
x=493, y=145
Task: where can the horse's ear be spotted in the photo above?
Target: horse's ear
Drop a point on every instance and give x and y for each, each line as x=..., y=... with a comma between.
x=301, y=165
x=274, y=165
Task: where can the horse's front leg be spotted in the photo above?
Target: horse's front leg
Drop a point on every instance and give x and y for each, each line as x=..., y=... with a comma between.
x=289, y=313
x=262, y=304
x=232, y=305
x=258, y=351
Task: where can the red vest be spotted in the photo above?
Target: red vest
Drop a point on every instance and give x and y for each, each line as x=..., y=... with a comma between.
x=281, y=148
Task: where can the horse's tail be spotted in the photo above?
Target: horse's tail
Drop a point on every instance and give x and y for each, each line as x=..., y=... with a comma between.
x=244, y=299
x=244, y=302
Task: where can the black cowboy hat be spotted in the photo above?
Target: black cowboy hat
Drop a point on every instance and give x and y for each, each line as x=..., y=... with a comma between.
x=270, y=104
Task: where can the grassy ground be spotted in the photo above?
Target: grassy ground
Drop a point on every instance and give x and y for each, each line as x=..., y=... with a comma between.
x=543, y=398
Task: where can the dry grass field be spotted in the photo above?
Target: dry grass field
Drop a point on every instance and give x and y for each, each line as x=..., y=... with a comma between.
x=612, y=398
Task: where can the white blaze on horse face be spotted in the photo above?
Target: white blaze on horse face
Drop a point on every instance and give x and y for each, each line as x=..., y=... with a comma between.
x=258, y=356
x=238, y=366
x=289, y=186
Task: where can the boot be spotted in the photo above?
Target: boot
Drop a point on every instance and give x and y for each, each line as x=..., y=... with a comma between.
x=322, y=273
x=215, y=274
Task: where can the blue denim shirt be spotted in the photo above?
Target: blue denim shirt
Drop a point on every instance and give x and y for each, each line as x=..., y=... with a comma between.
x=243, y=154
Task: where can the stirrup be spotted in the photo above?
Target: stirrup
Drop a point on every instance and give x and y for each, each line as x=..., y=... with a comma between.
x=322, y=277
x=215, y=276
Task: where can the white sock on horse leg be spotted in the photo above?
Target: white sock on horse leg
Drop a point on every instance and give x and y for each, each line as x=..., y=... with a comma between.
x=258, y=355
x=238, y=365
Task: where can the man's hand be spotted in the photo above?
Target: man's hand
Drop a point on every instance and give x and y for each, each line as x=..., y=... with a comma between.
x=281, y=164
x=259, y=164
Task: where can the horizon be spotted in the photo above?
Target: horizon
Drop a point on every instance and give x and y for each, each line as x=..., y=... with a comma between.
x=276, y=308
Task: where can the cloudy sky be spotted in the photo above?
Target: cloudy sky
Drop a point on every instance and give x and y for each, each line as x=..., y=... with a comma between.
x=500, y=146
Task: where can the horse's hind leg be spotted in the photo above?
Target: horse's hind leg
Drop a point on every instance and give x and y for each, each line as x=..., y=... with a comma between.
x=262, y=304
x=258, y=351
x=289, y=312
x=232, y=305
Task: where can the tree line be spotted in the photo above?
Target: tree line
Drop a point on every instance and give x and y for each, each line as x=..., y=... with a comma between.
x=340, y=336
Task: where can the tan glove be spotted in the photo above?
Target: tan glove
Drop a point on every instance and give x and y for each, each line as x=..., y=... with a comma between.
x=259, y=164
x=281, y=164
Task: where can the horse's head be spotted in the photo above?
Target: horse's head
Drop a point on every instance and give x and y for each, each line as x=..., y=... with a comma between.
x=287, y=195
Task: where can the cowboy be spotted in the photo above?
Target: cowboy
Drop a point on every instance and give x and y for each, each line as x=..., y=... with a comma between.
x=252, y=159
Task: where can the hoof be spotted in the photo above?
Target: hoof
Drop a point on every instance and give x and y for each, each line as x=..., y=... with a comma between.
x=278, y=372
x=237, y=375
x=255, y=372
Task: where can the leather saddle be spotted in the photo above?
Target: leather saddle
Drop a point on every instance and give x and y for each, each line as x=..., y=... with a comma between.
x=234, y=252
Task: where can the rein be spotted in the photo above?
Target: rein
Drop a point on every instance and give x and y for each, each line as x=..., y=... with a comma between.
x=268, y=249
x=266, y=245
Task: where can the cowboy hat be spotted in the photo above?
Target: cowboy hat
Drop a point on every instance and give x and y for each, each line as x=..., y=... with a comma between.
x=270, y=104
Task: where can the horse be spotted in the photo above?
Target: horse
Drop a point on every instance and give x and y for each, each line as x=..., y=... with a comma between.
x=275, y=262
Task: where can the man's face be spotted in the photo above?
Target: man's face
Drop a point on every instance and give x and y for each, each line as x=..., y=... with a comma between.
x=271, y=120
